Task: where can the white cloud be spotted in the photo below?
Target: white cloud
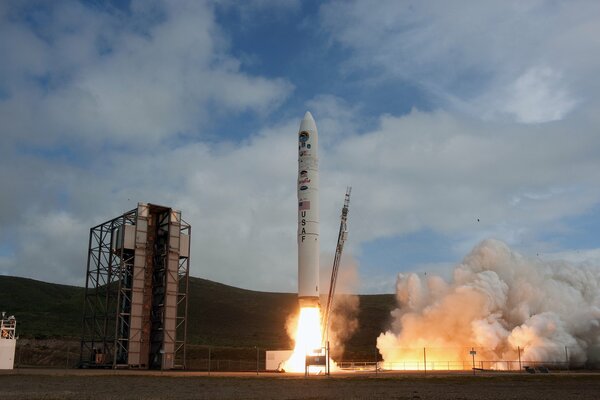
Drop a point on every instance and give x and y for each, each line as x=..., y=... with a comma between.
x=239, y=199
x=89, y=80
x=108, y=76
x=49, y=246
x=534, y=97
x=437, y=171
x=442, y=172
x=513, y=59
x=431, y=171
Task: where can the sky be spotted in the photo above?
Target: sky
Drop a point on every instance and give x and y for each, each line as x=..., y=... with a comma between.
x=453, y=122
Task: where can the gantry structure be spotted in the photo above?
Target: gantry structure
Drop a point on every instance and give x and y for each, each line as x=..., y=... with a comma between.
x=136, y=293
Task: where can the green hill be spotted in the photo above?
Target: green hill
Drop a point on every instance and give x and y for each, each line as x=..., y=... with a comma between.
x=218, y=314
x=43, y=310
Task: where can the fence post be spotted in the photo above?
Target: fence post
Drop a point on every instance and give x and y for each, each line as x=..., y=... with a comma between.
x=519, y=350
x=257, y=360
x=376, y=361
x=68, y=349
x=424, y=361
x=473, y=356
x=567, y=357
x=208, y=360
x=326, y=354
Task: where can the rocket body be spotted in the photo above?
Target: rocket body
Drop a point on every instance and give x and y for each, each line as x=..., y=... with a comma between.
x=308, y=212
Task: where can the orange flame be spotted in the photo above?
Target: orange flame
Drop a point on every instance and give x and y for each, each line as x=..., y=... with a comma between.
x=307, y=338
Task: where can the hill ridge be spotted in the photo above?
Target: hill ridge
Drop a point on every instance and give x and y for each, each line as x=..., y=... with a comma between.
x=218, y=314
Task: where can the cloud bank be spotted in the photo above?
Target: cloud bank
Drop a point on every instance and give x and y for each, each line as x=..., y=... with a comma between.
x=102, y=107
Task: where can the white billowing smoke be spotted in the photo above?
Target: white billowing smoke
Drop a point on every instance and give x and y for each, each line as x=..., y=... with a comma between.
x=499, y=301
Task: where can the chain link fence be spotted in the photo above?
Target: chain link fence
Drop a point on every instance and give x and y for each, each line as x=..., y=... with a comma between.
x=46, y=353
x=225, y=359
x=49, y=353
x=527, y=359
x=54, y=353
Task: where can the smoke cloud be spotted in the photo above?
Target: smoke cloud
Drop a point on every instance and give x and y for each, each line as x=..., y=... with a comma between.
x=499, y=301
x=344, y=323
x=344, y=314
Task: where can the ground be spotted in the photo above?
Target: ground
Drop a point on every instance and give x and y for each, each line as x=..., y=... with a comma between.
x=108, y=384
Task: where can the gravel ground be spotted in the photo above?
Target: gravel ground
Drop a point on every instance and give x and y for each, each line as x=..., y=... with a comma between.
x=105, y=385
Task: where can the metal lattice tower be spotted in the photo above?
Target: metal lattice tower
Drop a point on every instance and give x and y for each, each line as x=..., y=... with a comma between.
x=342, y=236
x=135, y=307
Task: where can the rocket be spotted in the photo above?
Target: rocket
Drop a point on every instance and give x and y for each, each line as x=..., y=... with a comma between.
x=308, y=213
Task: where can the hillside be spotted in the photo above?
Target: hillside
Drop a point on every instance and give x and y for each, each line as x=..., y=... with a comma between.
x=42, y=309
x=218, y=314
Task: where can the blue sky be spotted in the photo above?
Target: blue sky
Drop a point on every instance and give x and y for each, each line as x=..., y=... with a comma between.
x=453, y=123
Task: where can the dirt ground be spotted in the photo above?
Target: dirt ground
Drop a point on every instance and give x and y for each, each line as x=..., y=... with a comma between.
x=81, y=384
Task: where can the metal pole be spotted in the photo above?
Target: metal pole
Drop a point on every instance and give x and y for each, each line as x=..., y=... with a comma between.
x=208, y=360
x=567, y=357
x=424, y=361
x=519, y=350
x=328, y=365
x=68, y=349
x=257, y=360
x=187, y=291
x=473, y=355
x=305, y=368
x=376, y=361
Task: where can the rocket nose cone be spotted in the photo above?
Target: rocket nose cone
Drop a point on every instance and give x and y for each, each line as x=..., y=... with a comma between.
x=308, y=123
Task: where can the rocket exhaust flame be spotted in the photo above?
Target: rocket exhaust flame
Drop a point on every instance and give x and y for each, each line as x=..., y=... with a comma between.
x=308, y=339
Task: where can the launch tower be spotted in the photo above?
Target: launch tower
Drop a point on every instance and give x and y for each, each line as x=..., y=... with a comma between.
x=135, y=305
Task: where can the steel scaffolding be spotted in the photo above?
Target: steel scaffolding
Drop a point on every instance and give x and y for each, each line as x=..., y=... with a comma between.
x=135, y=307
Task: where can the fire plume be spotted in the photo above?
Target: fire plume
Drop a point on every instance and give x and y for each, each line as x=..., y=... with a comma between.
x=307, y=339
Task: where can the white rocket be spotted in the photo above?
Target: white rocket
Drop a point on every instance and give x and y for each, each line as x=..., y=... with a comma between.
x=308, y=212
